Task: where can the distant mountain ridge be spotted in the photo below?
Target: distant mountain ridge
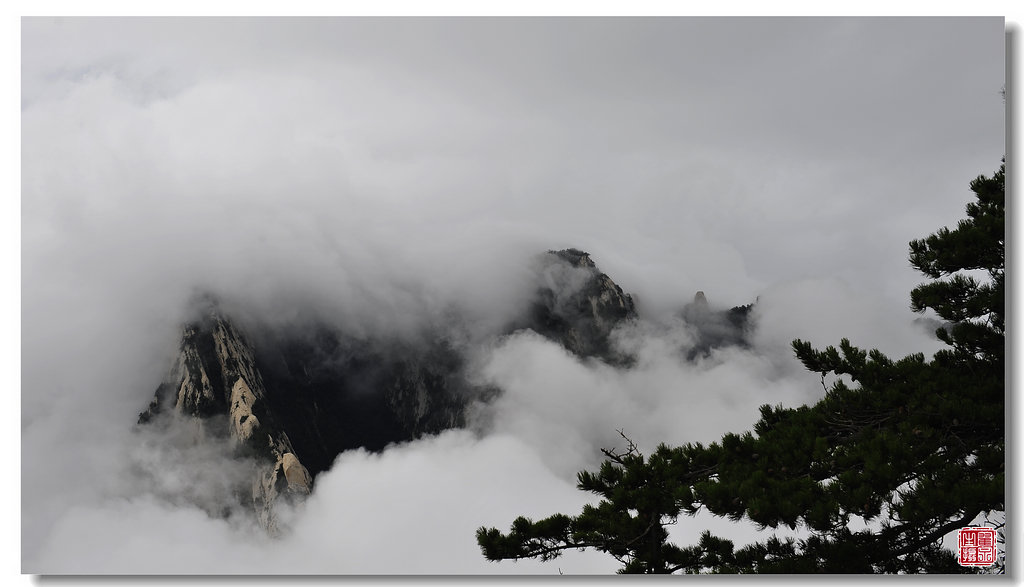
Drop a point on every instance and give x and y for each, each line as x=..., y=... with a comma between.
x=293, y=401
x=716, y=328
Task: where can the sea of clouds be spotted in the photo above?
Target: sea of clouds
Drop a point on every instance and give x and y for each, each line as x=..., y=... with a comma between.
x=385, y=172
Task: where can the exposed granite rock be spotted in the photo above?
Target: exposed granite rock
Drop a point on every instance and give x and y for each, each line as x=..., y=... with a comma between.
x=285, y=480
x=216, y=382
x=246, y=424
x=578, y=306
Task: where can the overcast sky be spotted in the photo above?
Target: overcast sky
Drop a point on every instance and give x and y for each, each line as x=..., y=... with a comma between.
x=384, y=170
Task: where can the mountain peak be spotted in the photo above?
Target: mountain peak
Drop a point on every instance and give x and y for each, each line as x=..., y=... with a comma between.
x=578, y=306
x=575, y=257
x=699, y=299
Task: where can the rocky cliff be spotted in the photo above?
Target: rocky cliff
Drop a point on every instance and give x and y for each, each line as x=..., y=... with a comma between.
x=215, y=380
x=292, y=401
x=578, y=306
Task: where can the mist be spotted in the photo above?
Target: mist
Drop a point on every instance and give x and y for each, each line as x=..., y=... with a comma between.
x=388, y=174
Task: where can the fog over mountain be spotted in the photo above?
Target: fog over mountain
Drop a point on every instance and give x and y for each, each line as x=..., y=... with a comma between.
x=391, y=181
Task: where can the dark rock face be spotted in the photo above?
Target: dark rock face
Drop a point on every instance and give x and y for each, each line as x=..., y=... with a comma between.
x=334, y=393
x=578, y=306
x=292, y=401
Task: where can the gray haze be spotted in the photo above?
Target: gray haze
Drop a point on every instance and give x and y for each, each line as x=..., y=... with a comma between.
x=385, y=171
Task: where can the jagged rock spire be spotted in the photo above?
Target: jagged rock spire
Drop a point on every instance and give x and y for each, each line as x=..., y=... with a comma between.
x=215, y=378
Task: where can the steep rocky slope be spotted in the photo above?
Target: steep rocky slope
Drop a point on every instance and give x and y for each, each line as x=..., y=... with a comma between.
x=216, y=382
x=578, y=306
x=292, y=401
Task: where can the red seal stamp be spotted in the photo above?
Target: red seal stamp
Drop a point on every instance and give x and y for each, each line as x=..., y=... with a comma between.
x=977, y=546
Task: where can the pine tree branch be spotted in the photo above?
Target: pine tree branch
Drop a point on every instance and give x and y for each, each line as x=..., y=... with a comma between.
x=935, y=534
